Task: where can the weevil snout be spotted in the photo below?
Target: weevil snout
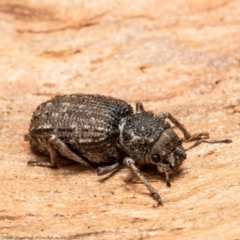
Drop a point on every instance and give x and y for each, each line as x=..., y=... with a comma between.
x=172, y=161
x=176, y=157
x=168, y=153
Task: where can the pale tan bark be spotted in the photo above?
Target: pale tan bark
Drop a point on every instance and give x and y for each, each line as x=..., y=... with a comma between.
x=177, y=56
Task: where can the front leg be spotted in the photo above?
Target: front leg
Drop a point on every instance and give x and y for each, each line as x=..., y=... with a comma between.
x=187, y=136
x=130, y=163
x=199, y=137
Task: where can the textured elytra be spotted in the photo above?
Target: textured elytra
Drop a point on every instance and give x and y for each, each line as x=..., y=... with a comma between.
x=101, y=131
x=87, y=124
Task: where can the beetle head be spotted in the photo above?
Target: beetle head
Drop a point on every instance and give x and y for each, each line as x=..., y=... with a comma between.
x=167, y=153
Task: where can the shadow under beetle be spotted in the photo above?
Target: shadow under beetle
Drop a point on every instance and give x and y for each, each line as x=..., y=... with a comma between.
x=103, y=132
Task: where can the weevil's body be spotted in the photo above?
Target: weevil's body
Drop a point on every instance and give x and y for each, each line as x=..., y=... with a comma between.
x=101, y=131
x=87, y=124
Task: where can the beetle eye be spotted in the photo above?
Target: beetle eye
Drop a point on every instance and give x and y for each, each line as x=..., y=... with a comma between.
x=156, y=158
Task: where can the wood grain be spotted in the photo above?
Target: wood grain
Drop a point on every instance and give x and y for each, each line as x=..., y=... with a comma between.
x=179, y=56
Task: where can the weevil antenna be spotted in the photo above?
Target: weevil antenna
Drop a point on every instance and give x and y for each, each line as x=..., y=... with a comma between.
x=167, y=179
x=205, y=141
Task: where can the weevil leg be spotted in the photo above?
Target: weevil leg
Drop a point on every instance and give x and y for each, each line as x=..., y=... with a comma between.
x=52, y=164
x=130, y=177
x=188, y=137
x=56, y=143
x=139, y=108
x=199, y=137
x=26, y=137
x=130, y=163
x=64, y=150
x=107, y=169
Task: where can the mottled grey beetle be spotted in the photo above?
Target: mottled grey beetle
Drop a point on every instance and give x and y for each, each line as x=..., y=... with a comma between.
x=104, y=132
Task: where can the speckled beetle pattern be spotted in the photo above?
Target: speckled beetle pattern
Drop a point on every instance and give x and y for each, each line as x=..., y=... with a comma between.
x=104, y=132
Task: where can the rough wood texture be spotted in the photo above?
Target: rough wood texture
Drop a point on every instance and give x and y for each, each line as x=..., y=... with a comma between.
x=180, y=56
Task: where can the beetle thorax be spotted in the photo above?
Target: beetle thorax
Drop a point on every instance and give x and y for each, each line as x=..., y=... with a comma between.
x=138, y=134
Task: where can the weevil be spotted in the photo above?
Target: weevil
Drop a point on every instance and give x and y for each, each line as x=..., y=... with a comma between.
x=104, y=132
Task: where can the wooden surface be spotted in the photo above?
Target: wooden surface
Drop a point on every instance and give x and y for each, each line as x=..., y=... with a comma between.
x=179, y=56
